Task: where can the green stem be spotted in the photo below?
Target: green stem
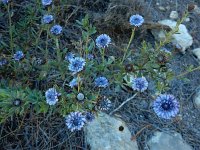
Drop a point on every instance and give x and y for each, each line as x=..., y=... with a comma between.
x=129, y=43
x=184, y=73
x=46, y=48
x=58, y=50
x=79, y=85
x=10, y=30
x=103, y=55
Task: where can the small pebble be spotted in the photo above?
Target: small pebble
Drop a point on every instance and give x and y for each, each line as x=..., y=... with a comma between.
x=161, y=8
x=187, y=19
x=173, y=15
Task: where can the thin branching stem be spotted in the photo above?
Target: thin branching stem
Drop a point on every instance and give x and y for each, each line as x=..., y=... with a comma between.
x=122, y=104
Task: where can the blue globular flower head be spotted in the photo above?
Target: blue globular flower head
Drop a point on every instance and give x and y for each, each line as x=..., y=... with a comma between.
x=3, y=62
x=136, y=20
x=105, y=104
x=56, y=30
x=77, y=64
x=166, y=106
x=90, y=57
x=103, y=41
x=46, y=19
x=139, y=84
x=69, y=56
x=89, y=116
x=18, y=55
x=5, y=1
x=46, y=2
x=74, y=82
x=51, y=96
x=75, y=121
x=101, y=82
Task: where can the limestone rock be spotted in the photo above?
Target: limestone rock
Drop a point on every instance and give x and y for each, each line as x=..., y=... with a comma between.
x=173, y=15
x=182, y=38
x=109, y=133
x=167, y=141
x=196, y=52
x=197, y=98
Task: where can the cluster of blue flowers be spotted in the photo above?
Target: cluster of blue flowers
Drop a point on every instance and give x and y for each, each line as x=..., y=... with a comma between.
x=3, y=62
x=103, y=41
x=51, y=96
x=76, y=64
x=18, y=55
x=136, y=20
x=46, y=19
x=101, y=82
x=76, y=120
x=104, y=104
x=139, y=84
x=166, y=106
x=5, y=1
x=46, y=2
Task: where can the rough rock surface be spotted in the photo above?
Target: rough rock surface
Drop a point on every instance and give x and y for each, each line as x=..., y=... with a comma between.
x=109, y=133
x=182, y=38
x=173, y=15
x=197, y=98
x=196, y=52
x=167, y=141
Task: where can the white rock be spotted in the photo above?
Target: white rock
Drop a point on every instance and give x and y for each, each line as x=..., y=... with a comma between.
x=196, y=52
x=173, y=15
x=197, y=10
x=104, y=134
x=167, y=141
x=162, y=8
x=197, y=99
x=182, y=38
x=187, y=19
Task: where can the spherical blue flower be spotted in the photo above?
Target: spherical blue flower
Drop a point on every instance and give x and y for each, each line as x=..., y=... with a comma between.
x=56, y=30
x=166, y=106
x=75, y=121
x=47, y=19
x=51, y=96
x=136, y=20
x=3, y=62
x=103, y=40
x=139, y=84
x=104, y=104
x=18, y=55
x=69, y=56
x=89, y=116
x=90, y=56
x=77, y=64
x=5, y=1
x=46, y=2
x=73, y=83
x=101, y=82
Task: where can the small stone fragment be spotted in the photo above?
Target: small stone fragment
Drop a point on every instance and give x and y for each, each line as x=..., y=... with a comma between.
x=197, y=10
x=167, y=141
x=173, y=15
x=161, y=8
x=197, y=98
x=196, y=53
x=187, y=19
